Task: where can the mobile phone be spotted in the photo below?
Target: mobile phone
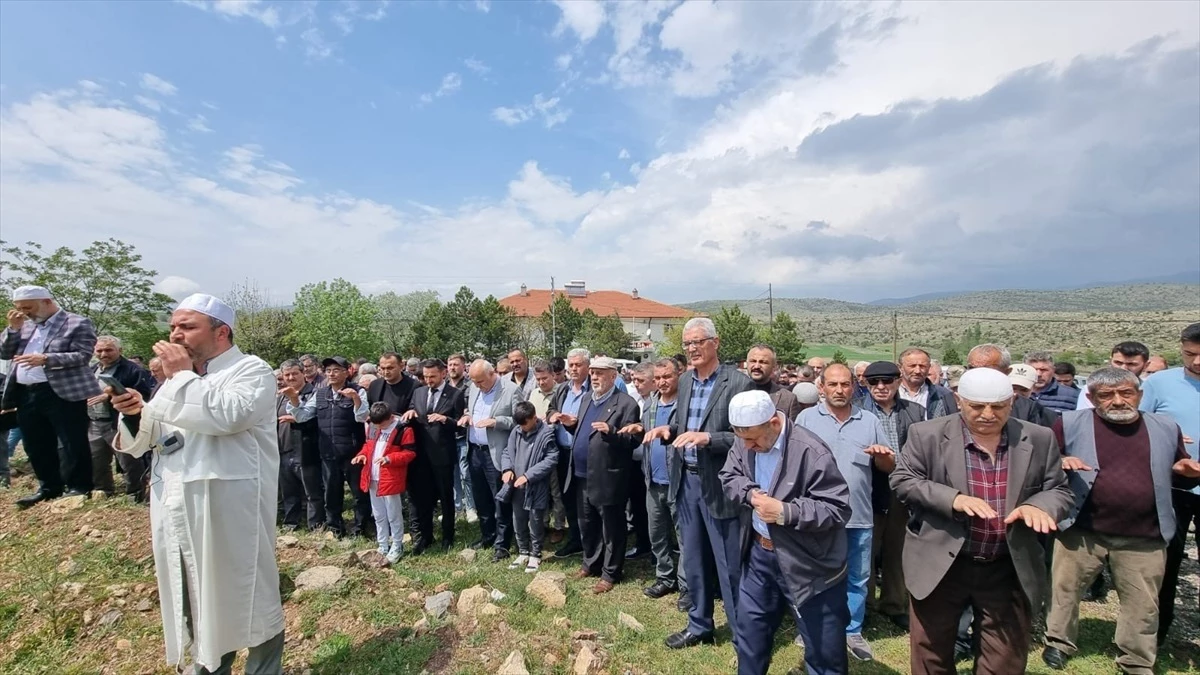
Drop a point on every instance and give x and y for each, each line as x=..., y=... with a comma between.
x=170, y=443
x=109, y=380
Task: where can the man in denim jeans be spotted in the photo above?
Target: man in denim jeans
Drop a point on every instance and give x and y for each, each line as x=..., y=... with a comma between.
x=858, y=441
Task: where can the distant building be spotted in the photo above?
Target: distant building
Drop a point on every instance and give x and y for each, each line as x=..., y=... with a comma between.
x=638, y=314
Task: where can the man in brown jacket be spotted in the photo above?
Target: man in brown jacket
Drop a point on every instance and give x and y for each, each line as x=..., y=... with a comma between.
x=980, y=486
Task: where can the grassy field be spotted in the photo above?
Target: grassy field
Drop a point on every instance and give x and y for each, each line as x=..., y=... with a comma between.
x=77, y=595
x=852, y=354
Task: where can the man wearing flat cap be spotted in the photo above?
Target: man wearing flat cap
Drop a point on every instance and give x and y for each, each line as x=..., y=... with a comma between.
x=210, y=430
x=340, y=409
x=794, y=506
x=50, y=350
x=980, y=486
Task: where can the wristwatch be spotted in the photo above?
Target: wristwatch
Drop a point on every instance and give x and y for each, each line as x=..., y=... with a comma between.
x=781, y=518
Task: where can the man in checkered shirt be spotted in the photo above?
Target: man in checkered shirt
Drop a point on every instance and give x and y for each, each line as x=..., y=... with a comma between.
x=980, y=486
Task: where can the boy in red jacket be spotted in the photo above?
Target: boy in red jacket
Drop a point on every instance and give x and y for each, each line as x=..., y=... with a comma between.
x=388, y=450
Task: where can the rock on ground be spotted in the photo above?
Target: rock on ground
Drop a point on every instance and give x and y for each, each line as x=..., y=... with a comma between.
x=287, y=541
x=69, y=567
x=318, y=578
x=630, y=622
x=513, y=665
x=489, y=610
x=550, y=588
x=372, y=559
x=471, y=600
x=438, y=605
x=65, y=504
x=586, y=663
x=468, y=554
x=497, y=595
x=110, y=617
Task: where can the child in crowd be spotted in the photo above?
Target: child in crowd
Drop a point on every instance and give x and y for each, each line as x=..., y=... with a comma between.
x=388, y=451
x=528, y=460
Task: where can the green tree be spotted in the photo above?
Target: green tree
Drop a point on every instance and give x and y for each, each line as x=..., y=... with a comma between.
x=495, y=328
x=839, y=357
x=262, y=330
x=562, y=328
x=784, y=335
x=672, y=342
x=395, y=316
x=458, y=324
x=736, y=332
x=950, y=356
x=104, y=282
x=334, y=318
x=427, y=335
x=605, y=335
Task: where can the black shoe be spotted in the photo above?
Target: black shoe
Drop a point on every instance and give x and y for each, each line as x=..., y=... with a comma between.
x=1096, y=595
x=447, y=546
x=635, y=553
x=684, y=604
x=684, y=639
x=659, y=589
x=499, y=554
x=568, y=551
x=1053, y=657
x=77, y=493
x=39, y=496
x=477, y=544
x=418, y=549
x=901, y=621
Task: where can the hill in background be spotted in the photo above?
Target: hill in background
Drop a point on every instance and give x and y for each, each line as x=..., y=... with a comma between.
x=1080, y=324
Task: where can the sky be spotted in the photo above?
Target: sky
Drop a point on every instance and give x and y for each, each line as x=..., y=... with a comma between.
x=690, y=150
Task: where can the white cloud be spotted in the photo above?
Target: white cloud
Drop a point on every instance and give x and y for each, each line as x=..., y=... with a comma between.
x=158, y=85
x=350, y=11
x=451, y=83
x=549, y=199
x=583, y=17
x=177, y=287
x=476, y=66
x=88, y=85
x=253, y=9
x=623, y=154
x=484, y=6
x=547, y=109
x=199, y=124
x=148, y=103
x=563, y=61
x=315, y=44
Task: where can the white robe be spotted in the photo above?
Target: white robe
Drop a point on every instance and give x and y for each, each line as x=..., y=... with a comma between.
x=213, y=506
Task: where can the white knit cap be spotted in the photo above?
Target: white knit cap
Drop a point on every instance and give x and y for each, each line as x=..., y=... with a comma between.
x=31, y=293
x=984, y=385
x=807, y=393
x=750, y=409
x=209, y=306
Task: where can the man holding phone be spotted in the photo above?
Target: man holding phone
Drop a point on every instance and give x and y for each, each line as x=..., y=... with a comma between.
x=211, y=434
x=116, y=371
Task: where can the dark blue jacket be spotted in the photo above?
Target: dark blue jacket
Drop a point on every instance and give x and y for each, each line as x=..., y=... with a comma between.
x=1057, y=397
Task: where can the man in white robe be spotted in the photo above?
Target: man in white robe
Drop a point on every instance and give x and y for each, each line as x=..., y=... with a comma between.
x=213, y=500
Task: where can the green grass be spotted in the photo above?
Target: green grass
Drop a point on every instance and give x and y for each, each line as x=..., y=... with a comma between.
x=852, y=354
x=364, y=626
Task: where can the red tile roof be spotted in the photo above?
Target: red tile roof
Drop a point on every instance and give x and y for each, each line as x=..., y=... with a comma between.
x=603, y=303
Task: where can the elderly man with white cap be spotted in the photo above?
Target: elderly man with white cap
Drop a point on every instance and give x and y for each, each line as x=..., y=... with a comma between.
x=50, y=350
x=980, y=486
x=215, y=467
x=795, y=506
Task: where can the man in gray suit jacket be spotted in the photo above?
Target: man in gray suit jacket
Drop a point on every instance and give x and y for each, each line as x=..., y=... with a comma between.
x=980, y=487
x=700, y=439
x=489, y=421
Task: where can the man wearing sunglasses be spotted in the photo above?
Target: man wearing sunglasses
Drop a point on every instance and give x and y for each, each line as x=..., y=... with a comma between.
x=896, y=414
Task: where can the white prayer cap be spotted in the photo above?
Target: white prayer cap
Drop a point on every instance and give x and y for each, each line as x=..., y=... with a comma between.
x=985, y=385
x=807, y=393
x=750, y=409
x=209, y=306
x=1023, y=375
x=31, y=293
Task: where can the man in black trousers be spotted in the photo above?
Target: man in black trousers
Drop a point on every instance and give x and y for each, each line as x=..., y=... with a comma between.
x=436, y=409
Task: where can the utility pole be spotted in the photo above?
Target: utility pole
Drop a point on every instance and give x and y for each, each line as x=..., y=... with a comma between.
x=895, y=336
x=771, y=307
x=553, y=322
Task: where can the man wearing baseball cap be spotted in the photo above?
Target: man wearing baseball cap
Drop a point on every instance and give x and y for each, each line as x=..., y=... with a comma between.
x=981, y=486
x=794, y=506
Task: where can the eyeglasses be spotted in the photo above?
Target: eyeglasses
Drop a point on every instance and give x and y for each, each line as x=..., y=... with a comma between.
x=695, y=343
x=873, y=381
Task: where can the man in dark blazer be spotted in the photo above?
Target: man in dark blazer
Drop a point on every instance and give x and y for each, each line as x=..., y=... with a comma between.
x=50, y=350
x=436, y=408
x=980, y=486
x=102, y=424
x=599, y=466
x=700, y=440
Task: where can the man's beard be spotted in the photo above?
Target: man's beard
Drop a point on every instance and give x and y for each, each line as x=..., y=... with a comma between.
x=1122, y=416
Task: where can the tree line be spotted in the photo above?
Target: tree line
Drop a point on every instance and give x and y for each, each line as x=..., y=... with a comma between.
x=108, y=283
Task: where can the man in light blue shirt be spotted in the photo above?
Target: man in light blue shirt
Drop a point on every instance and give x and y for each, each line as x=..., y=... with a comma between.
x=1176, y=393
x=858, y=440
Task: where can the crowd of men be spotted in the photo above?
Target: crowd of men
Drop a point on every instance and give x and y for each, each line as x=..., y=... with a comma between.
x=979, y=499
